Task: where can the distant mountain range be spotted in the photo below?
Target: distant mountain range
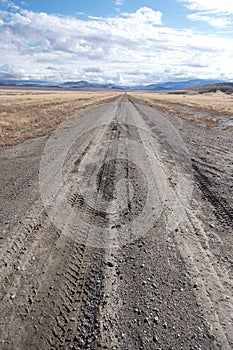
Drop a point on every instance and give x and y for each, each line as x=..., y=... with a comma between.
x=177, y=85
x=84, y=85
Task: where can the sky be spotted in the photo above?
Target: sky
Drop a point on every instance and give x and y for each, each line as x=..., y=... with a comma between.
x=127, y=42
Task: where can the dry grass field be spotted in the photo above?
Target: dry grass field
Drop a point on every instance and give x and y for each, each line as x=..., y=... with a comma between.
x=217, y=102
x=214, y=104
x=28, y=113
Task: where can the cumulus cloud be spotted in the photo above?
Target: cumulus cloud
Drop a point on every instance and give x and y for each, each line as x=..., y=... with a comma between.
x=145, y=15
x=216, y=13
x=131, y=48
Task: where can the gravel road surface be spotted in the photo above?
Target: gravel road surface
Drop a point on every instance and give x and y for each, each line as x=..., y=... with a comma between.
x=116, y=233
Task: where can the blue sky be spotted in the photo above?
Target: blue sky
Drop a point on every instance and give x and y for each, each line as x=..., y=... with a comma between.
x=116, y=41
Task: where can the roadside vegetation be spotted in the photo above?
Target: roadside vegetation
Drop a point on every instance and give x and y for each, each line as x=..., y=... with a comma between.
x=205, y=108
x=29, y=113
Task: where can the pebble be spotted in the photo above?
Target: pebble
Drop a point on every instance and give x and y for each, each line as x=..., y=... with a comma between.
x=156, y=310
x=110, y=264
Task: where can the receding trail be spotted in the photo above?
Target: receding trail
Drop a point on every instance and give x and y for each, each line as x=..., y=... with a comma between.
x=116, y=234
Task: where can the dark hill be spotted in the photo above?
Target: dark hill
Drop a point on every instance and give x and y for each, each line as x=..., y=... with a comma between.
x=224, y=87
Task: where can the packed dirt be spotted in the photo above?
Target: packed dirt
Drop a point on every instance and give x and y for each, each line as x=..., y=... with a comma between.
x=149, y=288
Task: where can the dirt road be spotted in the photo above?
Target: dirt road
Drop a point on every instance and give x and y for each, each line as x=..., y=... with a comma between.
x=116, y=233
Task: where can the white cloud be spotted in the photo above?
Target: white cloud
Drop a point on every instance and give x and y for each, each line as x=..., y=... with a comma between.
x=213, y=21
x=146, y=15
x=119, y=2
x=131, y=48
x=9, y=4
x=11, y=72
x=213, y=6
x=216, y=13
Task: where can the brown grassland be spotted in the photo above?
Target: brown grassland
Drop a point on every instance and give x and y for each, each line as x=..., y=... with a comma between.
x=25, y=113
x=214, y=104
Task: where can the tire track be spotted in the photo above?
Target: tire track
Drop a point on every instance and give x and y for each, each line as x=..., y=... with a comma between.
x=223, y=212
x=212, y=284
x=67, y=309
x=18, y=247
